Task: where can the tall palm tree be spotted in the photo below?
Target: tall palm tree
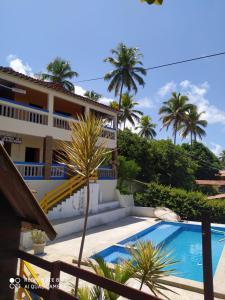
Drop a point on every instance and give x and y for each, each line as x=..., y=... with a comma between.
x=127, y=66
x=93, y=95
x=193, y=125
x=114, y=104
x=157, y=2
x=84, y=155
x=146, y=128
x=128, y=113
x=174, y=112
x=222, y=157
x=59, y=71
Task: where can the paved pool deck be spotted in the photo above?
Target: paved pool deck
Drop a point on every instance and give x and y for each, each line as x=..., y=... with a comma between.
x=66, y=249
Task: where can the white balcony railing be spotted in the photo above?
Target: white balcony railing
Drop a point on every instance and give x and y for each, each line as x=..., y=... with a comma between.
x=31, y=170
x=22, y=112
x=106, y=173
x=58, y=171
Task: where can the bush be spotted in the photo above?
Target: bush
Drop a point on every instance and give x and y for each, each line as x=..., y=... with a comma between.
x=189, y=205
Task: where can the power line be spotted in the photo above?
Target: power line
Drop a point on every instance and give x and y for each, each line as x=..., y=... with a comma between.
x=165, y=65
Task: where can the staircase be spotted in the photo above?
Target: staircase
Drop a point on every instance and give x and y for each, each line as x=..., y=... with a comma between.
x=63, y=191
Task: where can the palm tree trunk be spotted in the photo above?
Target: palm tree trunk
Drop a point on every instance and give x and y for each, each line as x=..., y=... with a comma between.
x=191, y=139
x=175, y=135
x=83, y=234
x=124, y=125
x=121, y=93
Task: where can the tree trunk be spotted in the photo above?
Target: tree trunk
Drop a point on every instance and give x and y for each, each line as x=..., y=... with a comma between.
x=191, y=139
x=175, y=135
x=121, y=93
x=83, y=234
x=124, y=125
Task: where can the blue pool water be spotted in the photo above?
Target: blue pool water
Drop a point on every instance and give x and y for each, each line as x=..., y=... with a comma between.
x=183, y=239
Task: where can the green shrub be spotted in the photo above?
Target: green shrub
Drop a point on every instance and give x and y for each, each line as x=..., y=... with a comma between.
x=189, y=205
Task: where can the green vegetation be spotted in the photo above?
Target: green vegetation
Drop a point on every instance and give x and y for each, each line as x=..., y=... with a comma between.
x=127, y=66
x=59, y=71
x=222, y=158
x=92, y=95
x=188, y=205
x=158, y=2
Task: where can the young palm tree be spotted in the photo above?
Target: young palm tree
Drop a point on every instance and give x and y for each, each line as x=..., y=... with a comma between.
x=158, y=2
x=114, y=105
x=84, y=155
x=146, y=128
x=59, y=71
x=149, y=264
x=93, y=95
x=193, y=125
x=127, y=67
x=128, y=113
x=174, y=112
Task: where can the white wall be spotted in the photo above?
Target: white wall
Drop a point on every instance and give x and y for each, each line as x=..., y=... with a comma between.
x=107, y=190
x=43, y=186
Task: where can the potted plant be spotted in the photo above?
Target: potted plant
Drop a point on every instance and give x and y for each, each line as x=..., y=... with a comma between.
x=39, y=241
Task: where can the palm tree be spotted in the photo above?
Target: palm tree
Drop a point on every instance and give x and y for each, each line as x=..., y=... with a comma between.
x=128, y=113
x=59, y=71
x=114, y=105
x=93, y=95
x=174, y=112
x=222, y=157
x=158, y=2
x=149, y=264
x=127, y=67
x=84, y=155
x=193, y=125
x=146, y=128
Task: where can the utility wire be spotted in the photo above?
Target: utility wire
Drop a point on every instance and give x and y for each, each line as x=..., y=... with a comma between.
x=165, y=65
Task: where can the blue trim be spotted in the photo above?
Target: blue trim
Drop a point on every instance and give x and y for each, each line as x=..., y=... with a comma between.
x=107, y=127
x=28, y=163
x=62, y=115
x=105, y=168
x=106, y=178
x=33, y=177
x=21, y=104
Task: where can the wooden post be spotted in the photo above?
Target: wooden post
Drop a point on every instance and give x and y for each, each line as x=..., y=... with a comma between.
x=54, y=280
x=47, y=155
x=207, y=257
x=10, y=239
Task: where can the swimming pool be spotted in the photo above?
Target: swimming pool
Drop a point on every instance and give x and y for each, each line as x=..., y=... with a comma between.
x=183, y=239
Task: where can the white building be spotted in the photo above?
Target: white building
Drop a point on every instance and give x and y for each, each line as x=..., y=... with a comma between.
x=34, y=115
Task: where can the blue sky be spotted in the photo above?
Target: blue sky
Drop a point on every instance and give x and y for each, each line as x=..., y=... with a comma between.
x=83, y=32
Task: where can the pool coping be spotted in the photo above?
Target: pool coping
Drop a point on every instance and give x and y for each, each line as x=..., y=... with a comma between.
x=183, y=283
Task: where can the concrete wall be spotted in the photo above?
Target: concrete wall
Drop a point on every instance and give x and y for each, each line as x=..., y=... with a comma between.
x=142, y=211
x=18, y=150
x=43, y=186
x=107, y=190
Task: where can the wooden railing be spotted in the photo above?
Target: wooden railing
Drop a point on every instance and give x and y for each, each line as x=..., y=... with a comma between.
x=22, y=112
x=55, y=293
x=63, y=191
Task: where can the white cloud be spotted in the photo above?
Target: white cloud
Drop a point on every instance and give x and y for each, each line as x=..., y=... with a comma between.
x=197, y=95
x=79, y=90
x=19, y=66
x=145, y=103
x=167, y=89
x=105, y=100
x=216, y=149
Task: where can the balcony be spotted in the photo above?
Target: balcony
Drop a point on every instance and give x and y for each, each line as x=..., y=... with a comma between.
x=35, y=171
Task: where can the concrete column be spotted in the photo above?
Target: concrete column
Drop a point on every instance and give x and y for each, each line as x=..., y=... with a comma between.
x=87, y=111
x=50, y=109
x=47, y=156
x=114, y=161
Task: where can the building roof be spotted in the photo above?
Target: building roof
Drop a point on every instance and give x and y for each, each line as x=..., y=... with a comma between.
x=20, y=198
x=54, y=86
x=211, y=182
x=218, y=196
x=221, y=173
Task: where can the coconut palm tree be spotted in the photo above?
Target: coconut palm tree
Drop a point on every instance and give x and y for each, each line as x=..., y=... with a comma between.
x=128, y=113
x=114, y=104
x=158, y=2
x=127, y=66
x=93, y=95
x=174, y=112
x=146, y=128
x=193, y=125
x=149, y=264
x=222, y=157
x=59, y=71
x=84, y=155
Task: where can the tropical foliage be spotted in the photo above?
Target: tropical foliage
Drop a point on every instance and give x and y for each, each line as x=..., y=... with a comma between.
x=92, y=95
x=84, y=155
x=149, y=264
x=222, y=158
x=158, y=2
x=114, y=105
x=127, y=70
x=193, y=125
x=128, y=111
x=146, y=128
x=174, y=112
x=59, y=71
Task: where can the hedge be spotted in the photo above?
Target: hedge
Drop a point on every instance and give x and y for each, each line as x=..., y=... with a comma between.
x=188, y=205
